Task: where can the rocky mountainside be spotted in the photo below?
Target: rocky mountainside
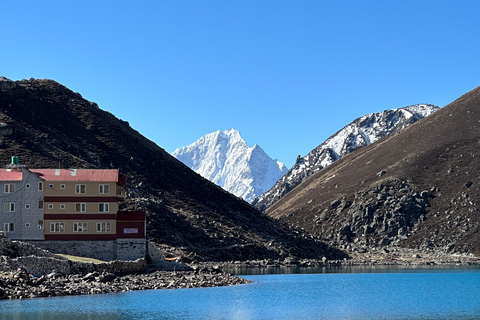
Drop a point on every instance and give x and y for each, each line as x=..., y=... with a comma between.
x=417, y=189
x=224, y=158
x=361, y=132
x=49, y=126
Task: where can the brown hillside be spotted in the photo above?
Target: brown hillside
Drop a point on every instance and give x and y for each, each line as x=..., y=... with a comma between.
x=54, y=127
x=417, y=189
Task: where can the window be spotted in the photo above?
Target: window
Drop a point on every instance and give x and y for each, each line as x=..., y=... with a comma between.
x=27, y=206
x=9, y=227
x=103, y=207
x=80, y=189
x=9, y=188
x=62, y=206
x=9, y=206
x=40, y=224
x=40, y=186
x=27, y=186
x=103, y=227
x=40, y=204
x=50, y=206
x=79, y=227
x=62, y=186
x=104, y=189
x=57, y=227
x=27, y=224
x=50, y=185
x=80, y=207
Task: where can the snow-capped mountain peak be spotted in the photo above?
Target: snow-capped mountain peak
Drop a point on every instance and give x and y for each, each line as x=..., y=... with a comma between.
x=361, y=132
x=224, y=158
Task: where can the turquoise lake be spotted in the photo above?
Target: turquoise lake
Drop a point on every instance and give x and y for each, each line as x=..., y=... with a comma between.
x=343, y=293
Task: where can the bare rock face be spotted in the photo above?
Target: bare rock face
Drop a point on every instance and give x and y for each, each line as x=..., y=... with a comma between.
x=378, y=216
x=6, y=84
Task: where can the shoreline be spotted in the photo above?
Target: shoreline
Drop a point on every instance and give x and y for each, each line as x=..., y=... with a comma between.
x=201, y=275
x=54, y=285
x=177, y=275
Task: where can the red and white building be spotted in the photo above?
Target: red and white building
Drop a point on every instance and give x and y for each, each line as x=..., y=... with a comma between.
x=66, y=205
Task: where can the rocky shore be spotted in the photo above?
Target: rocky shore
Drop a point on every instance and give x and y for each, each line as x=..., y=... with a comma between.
x=23, y=270
x=15, y=286
x=30, y=272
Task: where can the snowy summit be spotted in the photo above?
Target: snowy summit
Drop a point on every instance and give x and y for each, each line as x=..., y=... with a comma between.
x=224, y=158
x=361, y=132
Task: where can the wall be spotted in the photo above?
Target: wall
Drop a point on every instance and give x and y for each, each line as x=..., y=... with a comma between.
x=44, y=265
x=120, y=249
x=130, y=249
x=102, y=250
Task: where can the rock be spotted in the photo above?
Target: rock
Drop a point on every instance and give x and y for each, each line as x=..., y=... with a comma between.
x=424, y=194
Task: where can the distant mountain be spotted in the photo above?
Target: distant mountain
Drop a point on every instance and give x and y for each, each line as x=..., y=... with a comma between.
x=47, y=125
x=361, y=132
x=418, y=189
x=224, y=158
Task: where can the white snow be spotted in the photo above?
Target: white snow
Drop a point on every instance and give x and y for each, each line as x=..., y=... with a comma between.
x=224, y=158
x=361, y=132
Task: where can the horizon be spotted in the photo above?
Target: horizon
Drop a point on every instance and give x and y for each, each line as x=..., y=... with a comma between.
x=285, y=75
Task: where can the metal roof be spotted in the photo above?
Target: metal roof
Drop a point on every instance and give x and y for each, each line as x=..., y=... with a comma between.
x=102, y=175
x=10, y=175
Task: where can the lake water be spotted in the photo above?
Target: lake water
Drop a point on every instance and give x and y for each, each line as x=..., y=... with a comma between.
x=343, y=293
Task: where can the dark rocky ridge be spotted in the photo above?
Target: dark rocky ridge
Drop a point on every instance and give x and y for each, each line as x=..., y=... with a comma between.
x=418, y=189
x=49, y=126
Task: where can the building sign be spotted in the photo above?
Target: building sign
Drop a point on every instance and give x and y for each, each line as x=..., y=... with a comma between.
x=130, y=230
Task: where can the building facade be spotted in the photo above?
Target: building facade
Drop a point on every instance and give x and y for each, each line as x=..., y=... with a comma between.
x=69, y=205
x=21, y=204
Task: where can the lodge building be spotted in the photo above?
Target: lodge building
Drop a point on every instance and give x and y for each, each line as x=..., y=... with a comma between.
x=58, y=205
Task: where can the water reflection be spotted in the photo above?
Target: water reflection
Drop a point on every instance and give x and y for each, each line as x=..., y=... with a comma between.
x=351, y=269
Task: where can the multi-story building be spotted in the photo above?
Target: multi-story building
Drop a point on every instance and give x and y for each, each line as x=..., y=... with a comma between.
x=82, y=204
x=67, y=205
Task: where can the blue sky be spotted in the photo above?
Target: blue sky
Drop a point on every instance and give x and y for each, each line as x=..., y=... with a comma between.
x=286, y=74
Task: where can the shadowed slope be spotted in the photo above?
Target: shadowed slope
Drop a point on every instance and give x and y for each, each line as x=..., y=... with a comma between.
x=419, y=188
x=54, y=127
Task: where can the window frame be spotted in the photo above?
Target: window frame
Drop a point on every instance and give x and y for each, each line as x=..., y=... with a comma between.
x=9, y=207
x=80, y=227
x=57, y=227
x=79, y=206
x=103, y=227
x=80, y=189
x=9, y=187
x=104, y=207
x=9, y=227
x=102, y=187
